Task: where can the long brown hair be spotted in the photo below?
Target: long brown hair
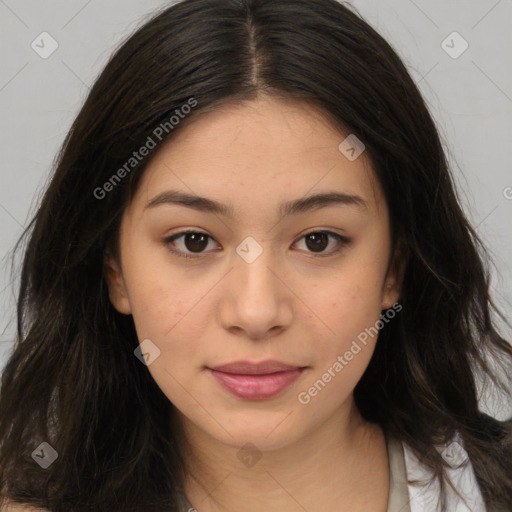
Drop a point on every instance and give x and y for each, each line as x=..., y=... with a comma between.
x=73, y=381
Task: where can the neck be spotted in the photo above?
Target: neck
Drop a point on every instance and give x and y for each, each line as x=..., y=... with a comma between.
x=342, y=465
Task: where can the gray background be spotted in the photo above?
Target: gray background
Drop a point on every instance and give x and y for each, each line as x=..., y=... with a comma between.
x=470, y=97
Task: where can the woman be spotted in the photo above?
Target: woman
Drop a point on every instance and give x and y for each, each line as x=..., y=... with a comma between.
x=250, y=285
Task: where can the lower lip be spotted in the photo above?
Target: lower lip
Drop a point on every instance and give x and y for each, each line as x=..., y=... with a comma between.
x=256, y=387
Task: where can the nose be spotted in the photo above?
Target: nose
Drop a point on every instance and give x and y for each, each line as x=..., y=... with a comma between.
x=256, y=301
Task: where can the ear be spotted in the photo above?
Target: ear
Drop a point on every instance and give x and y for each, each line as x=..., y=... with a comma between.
x=116, y=286
x=393, y=283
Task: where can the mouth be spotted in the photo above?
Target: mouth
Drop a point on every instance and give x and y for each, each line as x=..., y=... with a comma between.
x=262, y=368
x=256, y=381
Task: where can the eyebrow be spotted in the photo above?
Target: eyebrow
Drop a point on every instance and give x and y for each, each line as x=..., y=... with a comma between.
x=296, y=206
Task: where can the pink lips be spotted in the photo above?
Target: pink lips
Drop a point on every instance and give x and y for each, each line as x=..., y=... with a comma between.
x=256, y=381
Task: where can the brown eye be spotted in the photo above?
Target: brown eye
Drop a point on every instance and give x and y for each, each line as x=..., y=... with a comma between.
x=195, y=241
x=188, y=243
x=318, y=241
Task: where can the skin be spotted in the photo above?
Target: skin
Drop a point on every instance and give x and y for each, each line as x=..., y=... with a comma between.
x=291, y=304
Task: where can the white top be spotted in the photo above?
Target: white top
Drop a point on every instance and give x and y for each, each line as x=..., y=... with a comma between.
x=425, y=498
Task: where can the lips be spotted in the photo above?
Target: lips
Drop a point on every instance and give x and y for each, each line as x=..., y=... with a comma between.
x=248, y=368
x=255, y=381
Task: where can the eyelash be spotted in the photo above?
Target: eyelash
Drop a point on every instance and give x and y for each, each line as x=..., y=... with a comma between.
x=343, y=241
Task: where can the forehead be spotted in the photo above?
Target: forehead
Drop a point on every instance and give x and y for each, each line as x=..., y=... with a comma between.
x=259, y=152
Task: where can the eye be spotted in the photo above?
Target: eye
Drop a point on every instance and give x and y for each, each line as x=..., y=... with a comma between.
x=192, y=244
x=317, y=241
x=194, y=241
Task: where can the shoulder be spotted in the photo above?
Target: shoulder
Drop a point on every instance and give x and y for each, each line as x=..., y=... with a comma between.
x=424, y=491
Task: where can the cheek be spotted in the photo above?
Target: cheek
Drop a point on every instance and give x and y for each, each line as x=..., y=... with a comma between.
x=166, y=309
x=159, y=295
x=343, y=352
x=351, y=305
x=169, y=314
x=175, y=320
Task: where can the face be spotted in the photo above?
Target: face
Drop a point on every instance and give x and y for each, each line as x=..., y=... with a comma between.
x=266, y=274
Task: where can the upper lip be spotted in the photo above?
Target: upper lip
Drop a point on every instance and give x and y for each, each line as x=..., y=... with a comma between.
x=248, y=368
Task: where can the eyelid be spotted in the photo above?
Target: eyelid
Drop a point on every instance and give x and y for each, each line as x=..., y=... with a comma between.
x=342, y=241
